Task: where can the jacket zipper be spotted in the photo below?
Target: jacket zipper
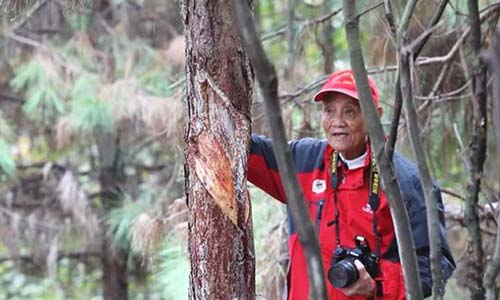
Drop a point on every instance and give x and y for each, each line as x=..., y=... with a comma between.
x=319, y=212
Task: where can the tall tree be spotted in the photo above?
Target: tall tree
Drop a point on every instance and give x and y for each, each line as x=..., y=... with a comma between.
x=219, y=88
x=325, y=40
x=111, y=180
x=400, y=218
x=493, y=59
x=478, y=154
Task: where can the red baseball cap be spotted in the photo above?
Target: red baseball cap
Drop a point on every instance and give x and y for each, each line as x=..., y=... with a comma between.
x=343, y=82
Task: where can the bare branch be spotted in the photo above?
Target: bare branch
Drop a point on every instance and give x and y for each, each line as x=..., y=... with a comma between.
x=60, y=255
x=424, y=37
x=290, y=37
x=266, y=76
x=430, y=192
x=305, y=25
x=398, y=99
x=478, y=152
x=493, y=268
x=389, y=15
x=398, y=209
x=405, y=19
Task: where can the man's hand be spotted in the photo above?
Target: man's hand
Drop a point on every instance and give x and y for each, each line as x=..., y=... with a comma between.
x=364, y=286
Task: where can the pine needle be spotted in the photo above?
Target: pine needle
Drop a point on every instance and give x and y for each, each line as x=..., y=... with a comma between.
x=147, y=233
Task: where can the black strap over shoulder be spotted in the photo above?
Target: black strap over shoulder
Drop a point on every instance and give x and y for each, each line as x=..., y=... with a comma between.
x=373, y=198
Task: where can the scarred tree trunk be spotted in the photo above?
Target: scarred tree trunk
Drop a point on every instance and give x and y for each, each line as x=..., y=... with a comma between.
x=219, y=87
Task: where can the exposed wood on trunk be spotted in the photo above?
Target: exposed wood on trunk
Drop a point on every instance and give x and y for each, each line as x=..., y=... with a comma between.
x=478, y=154
x=219, y=87
x=268, y=82
x=398, y=210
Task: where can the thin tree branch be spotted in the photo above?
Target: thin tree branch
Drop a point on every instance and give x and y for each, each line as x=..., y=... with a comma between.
x=389, y=16
x=493, y=268
x=405, y=19
x=430, y=192
x=266, y=76
x=306, y=24
x=369, y=9
x=424, y=37
x=10, y=98
x=478, y=153
x=398, y=209
x=61, y=255
x=398, y=101
x=396, y=115
x=290, y=37
x=453, y=194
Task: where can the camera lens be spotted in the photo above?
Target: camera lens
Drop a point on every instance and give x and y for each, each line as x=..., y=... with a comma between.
x=343, y=274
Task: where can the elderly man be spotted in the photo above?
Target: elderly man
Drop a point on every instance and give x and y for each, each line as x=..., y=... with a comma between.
x=338, y=177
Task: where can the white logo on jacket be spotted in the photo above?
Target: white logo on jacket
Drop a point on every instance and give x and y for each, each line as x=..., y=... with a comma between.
x=319, y=186
x=367, y=208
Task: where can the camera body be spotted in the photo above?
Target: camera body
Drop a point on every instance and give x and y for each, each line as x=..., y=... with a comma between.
x=343, y=272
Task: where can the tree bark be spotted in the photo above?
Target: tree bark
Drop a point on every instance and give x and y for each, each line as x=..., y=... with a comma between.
x=478, y=154
x=430, y=193
x=493, y=268
x=399, y=213
x=290, y=38
x=326, y=43
x=219, y=90
x=416, y=49
x=268, y=83
x=114, y=259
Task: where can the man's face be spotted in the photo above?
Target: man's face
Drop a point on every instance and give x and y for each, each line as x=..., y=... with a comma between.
x=344, y=125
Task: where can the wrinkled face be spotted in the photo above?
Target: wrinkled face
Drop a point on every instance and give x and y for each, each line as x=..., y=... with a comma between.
x=344, y=125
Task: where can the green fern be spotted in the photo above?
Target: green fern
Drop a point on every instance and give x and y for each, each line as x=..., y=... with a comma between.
x=42, y=91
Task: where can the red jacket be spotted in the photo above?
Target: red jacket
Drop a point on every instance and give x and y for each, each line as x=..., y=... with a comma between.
x=311, y=158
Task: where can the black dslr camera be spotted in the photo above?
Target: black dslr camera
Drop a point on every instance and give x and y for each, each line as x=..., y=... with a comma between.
x=343, y=272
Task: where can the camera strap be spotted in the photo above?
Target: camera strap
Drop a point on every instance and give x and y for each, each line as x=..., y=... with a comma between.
x=373, y=198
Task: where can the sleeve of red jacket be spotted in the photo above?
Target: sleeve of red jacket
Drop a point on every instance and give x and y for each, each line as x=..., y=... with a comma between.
x=262, y=167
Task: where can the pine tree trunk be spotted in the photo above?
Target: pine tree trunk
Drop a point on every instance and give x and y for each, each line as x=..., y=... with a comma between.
x=219, y=88
x=114, y=272
x=114, y=260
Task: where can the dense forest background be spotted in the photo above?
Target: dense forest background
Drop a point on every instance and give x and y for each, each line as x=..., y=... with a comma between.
x=92, y=116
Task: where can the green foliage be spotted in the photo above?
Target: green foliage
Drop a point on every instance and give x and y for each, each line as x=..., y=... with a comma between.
x=87, y=111
x=171, y=279
x=42, y=87
x=73, y=282
x=7, y=163
x=120, y=220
